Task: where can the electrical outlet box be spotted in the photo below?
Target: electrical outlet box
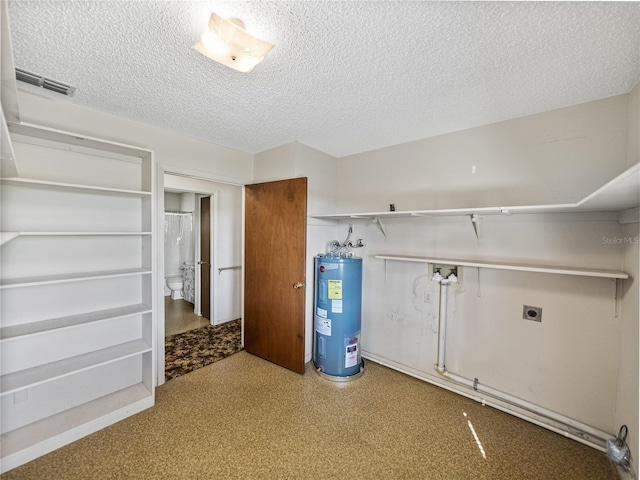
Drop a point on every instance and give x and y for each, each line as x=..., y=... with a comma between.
x=532, y=313
x=445, y=270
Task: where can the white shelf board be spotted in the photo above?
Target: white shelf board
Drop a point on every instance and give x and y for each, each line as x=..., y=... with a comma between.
x=72, y=187
x=583, y=272
x=12, y=235
x=43, y=430
x=412, y=213
x=31, y=377
x=55, y=135
x=6, y=237
x=621, y=193
x=70, y=277
x=42, y=326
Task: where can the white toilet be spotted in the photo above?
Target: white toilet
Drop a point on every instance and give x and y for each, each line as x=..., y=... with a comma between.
x=175, y=285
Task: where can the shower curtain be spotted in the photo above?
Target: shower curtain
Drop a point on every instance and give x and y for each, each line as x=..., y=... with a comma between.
x=178, y=242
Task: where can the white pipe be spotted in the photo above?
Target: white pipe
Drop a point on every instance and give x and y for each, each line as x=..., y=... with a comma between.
x=511, y=409
x=474, y=384
x=442, y=326
x=518, y=402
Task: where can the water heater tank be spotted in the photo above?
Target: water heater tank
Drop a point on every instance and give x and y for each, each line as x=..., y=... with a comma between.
x=337, y=317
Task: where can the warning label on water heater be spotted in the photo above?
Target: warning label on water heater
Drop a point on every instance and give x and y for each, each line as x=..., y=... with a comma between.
x=335, y=289
x=323, y=326
x=352, y=350
x=351, y=355
x=336, y=306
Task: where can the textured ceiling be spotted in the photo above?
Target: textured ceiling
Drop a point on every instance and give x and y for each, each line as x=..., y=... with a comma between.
x=344, y=77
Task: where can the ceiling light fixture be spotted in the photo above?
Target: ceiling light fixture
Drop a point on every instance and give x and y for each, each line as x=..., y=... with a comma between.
x=227, y=42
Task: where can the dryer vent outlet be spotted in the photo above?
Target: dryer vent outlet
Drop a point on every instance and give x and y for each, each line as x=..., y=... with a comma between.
x=532, y=313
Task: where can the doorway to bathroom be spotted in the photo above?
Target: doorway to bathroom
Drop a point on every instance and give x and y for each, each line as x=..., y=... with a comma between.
x=180, y=230
x=202, y=257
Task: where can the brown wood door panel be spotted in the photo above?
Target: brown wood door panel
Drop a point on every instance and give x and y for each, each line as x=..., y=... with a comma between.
x=275, y=252
x=205, y=257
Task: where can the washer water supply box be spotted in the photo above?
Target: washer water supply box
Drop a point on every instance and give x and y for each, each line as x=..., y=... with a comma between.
x=337, y=317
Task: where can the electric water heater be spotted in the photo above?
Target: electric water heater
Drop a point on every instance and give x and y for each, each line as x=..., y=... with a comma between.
x=337, y=316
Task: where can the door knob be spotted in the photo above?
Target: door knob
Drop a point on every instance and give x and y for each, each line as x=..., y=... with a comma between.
x=298, y=285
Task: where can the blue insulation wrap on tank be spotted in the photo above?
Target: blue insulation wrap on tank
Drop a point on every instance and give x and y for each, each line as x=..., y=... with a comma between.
x=337, y=315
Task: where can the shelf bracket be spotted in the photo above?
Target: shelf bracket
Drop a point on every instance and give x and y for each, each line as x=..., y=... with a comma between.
x=474, y=222
x=380, y=225
x=617, y=297
x=6, y=237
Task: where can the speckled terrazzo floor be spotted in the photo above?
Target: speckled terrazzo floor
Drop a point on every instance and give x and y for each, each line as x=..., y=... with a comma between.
x=243, y=417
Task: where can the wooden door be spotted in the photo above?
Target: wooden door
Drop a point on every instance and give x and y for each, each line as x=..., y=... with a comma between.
x=274, y=264
x=205, y=257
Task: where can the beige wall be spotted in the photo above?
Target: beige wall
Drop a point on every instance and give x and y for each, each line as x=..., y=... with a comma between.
x=628, y=372
x=298, y=160
x=551, y=157
x=171, y=201
x=633, y=137
x=563, y=363
x=173, y=150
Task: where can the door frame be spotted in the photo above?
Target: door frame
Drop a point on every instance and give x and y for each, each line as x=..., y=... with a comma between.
x=161, y=170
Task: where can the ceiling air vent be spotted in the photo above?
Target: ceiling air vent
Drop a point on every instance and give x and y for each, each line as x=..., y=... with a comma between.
x=44, y=82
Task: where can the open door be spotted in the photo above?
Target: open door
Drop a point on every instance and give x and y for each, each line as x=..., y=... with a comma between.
x=274, y=264
x=205, y=257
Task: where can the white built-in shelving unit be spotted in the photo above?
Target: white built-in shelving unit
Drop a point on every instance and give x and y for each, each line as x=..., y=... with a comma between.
x=77, y=329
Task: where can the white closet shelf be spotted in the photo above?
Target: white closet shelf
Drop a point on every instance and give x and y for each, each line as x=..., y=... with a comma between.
x=133, y=399
x=6, y=237
x=621, y=193
x=75, y=234
x=71, y=187
x=31, y=377
x=42, y=326
x=70, y=277
x=583, y=272
x=70, y=138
